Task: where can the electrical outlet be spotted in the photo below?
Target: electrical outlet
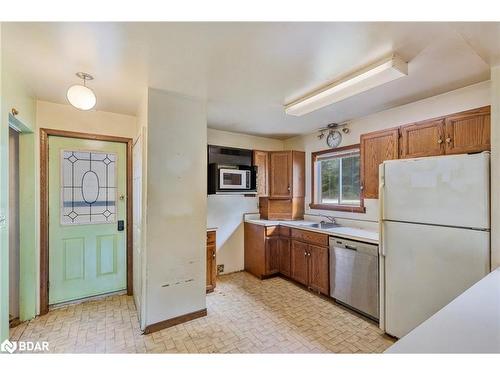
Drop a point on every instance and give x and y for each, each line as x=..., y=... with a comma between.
x=220, y=269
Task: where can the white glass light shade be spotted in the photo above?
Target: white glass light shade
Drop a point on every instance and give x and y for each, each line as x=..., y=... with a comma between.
x=81, y=97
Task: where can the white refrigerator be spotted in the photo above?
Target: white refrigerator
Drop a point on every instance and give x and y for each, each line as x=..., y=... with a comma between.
x=434, y=235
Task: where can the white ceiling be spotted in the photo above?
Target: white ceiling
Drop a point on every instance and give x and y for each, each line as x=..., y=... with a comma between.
x=247, y=71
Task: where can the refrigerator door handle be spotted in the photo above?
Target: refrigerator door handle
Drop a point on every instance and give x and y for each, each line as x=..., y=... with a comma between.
x=381, y=186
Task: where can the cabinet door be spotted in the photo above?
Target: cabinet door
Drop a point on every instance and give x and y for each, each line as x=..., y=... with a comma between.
x=319, y=269
x=298, y=264
x=211, y=268
x=284, y=256
x=422, y=139
x=260, y=160
x=375, y=148
x=280, y=174
x=272, y=255
x=468, y=132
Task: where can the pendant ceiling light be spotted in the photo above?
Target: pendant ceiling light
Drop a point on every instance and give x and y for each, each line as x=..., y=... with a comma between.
x=80, y=96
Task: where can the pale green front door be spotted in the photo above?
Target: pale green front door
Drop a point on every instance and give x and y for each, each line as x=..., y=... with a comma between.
x=87, y=202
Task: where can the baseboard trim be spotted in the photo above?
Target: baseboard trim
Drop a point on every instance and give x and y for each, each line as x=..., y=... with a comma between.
x=174, y=321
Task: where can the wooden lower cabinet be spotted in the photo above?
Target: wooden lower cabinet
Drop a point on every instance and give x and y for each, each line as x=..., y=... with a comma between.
x=310, y=266
x=299, y=262
x=299, y=254
x=272, y=255
x=261, y=250
x=284, y=256
x=211, y=262
x=319, y=269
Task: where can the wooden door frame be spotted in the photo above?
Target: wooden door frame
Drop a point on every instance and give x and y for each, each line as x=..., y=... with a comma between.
x=44, y=206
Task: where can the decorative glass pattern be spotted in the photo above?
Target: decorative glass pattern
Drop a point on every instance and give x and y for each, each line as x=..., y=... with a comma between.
x=88, y=187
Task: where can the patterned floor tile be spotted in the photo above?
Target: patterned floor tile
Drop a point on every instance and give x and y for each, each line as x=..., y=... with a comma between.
x=245, y=315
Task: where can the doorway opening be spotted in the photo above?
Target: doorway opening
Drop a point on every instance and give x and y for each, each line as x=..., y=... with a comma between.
x=14, y=248
x=85, y=216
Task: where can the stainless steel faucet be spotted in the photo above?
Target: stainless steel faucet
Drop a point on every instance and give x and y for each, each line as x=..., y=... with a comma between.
x=331, y=218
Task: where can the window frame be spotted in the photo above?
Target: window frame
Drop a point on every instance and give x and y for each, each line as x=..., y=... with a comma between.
x=329, y=206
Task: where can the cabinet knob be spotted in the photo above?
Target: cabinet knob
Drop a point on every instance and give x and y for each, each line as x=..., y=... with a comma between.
x=288, y=188
x=440, y=141
x=213, y=254
x=448, y=140
x=305, y=253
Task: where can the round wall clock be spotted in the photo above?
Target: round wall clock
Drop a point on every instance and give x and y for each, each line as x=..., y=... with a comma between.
x=334, y=138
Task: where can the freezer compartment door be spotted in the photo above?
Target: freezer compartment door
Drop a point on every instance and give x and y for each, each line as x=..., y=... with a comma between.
x=426, y=267
x=444, y=190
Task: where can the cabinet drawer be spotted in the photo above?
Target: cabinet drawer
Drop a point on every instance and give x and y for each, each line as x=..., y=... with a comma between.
x=310, y=237
x=284, y=231
x=272, y=231
x=211, y=238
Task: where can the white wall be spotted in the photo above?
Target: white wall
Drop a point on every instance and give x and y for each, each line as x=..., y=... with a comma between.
x=225, y=211
x=495, y=167
x=140, y=199
x=16, y=94
x=470, y=97
x=176, y=206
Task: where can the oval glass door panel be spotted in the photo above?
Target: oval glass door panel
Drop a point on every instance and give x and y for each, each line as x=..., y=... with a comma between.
x=90, y=187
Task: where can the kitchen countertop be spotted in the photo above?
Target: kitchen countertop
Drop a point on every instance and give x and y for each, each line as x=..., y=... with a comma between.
x=468, y=324
x=342, y=231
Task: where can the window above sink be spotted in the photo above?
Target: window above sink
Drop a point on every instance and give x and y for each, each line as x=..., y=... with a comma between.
x=336, y=180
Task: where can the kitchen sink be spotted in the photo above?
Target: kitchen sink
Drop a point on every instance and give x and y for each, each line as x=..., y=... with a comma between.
x=322, y=225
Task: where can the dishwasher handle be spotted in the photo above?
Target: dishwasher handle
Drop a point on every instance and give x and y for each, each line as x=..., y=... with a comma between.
x=349, y=247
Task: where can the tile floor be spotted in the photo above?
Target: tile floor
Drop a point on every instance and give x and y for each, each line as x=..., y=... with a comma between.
x=245, y=315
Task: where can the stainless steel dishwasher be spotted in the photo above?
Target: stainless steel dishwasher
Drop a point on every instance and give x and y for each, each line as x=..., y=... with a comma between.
x=354, y=275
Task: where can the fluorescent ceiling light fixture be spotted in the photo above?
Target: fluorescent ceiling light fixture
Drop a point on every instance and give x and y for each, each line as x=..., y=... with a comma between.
x=80, y=96
x=372, y=76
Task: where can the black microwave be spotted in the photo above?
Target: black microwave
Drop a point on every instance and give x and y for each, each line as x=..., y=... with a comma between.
x=231, y=179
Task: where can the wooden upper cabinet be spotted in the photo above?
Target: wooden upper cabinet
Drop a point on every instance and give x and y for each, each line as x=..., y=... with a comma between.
x=376, y=147
x=287, y=174
x=422, y=139
x=280, y=174
x=468, y=132
x=261, y=161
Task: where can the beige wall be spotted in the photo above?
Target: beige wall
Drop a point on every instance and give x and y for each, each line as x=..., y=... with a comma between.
x=66, y=117
x=176, y=209
x=225, y=211
x=454, y=101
